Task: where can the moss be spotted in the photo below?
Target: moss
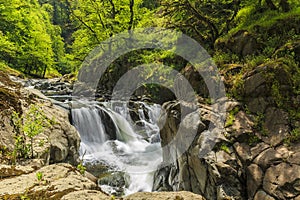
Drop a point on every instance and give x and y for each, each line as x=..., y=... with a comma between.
x=293, y=137
x=231, y=117
x=253, y=139
x=225, y=148
x=222, y=146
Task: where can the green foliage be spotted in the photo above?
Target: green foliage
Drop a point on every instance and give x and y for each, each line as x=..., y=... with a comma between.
x=293, y=137
x=24, y=197
x=277, y=94
x=100, y=20
x=258, y=121
x=39, y=176
x=253, y=61
x=28, y=126
x=221, y=58
x=225, y=148
x=231, y=117
x=28, y=39
x=204, y=21
x=253, y=139
x=81, y=168
x=112, y=197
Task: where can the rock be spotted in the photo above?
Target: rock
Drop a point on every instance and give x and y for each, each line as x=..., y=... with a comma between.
x=261, y=195
x=10, y=170
x=258, y=104
x=62, y=139
x=241, y=125
x=163, y=177
x=267, y=158
x=58, y=142
x=283, y=181
x=214, y=173
x=56, y=181
x=254, y=179
x=294, y=158
x=276, y=126
x=241, y=43
x=6, y=131
x=196, y=81
x=256, y=150
x=253, y=84
x=164, y=196
x=86, y=195
x=116, y=182
x=243, y=152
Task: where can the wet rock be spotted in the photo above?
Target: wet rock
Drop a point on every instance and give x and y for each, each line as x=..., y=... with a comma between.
x=214, y=174
x=116, y=182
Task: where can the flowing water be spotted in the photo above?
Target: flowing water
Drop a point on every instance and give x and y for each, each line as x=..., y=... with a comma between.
x=110, y=136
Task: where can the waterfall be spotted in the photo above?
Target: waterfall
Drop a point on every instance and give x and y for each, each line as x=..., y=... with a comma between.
x=109, y=135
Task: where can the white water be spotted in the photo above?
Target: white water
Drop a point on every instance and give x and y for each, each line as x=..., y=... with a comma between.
x=132, y=151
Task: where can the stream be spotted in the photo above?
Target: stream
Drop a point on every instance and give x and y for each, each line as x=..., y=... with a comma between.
x=120, y=141
x=111, y=138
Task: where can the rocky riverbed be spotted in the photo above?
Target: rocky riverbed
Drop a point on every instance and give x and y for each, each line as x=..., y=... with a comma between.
x=253, y=158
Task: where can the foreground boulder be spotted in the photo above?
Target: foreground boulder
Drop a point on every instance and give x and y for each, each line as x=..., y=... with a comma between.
x=164, y=196
x=50, y=182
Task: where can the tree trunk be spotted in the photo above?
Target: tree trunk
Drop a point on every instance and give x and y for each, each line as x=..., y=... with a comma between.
x=131, y=15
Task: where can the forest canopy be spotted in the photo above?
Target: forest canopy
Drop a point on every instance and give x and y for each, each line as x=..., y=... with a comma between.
x=52, y=37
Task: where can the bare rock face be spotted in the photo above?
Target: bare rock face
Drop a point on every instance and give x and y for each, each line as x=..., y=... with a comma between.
x=63, y=138
x=50, y=182
x=58, y=142
x=254, y=179
x=245, y=163
x=214, y=174
x=283, y=181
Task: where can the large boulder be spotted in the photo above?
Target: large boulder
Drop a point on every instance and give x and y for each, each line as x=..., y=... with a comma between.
x=49, y=182
x=242, y=43
x=58, y=142
x=190, y=162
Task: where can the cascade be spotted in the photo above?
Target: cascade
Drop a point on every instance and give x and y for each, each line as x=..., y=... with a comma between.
x=110, y=136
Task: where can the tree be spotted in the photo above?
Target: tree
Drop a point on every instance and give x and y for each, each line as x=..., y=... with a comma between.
x=33, y=42
x=100, y=19
x=204, y=20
